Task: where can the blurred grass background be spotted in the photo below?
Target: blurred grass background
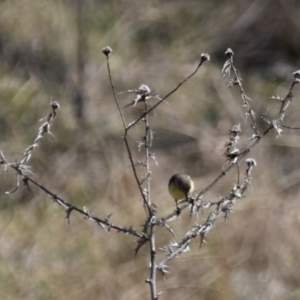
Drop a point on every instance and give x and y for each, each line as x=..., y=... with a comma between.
x=51, y=50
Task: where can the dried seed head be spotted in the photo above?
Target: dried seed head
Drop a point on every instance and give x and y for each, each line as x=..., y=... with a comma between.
x=251, y=162
x=236, y=129
x=144, y=90
x=107, y=51
x=229, y=52
x=297, y=74
x=205, y=56
x=55, y=105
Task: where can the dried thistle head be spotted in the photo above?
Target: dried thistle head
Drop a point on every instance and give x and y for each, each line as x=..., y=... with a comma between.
x=205, y=56
x=55, y=105
x=296, y=74
x=251, y=162
x=236, y=129
x=229, y=52
x=144, y=90
x=107, y=51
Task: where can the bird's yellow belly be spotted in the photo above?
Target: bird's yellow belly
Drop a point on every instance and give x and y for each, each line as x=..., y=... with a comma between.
x=176, y=193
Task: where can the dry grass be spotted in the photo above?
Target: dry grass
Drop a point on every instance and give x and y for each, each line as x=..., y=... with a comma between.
x=253, y=255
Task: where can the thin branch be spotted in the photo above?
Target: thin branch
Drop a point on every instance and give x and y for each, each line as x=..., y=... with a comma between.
x=152, y=279
x=237, y=80
x=44, y=129
x=107, y=52
x=70, y=208
x=204, y=57
x=282, y=111
x=290, y=127
x=223, y=207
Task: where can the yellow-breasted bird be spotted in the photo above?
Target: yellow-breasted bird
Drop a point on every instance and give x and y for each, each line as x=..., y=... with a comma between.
x=180, y=186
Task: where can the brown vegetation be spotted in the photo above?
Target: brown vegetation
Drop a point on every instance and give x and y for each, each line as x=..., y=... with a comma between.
x=51, y=51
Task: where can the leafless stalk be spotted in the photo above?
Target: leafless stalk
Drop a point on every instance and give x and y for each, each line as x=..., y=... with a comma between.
x=69, y=208
x=204, y=57
x=222, y=207
x=21, y=168
x=44, y=129
x=234, y=155
x=215, y=209
x=237, y=80
x=143, y=94
x=24, y=172
x=275, y=124
x=107, y=52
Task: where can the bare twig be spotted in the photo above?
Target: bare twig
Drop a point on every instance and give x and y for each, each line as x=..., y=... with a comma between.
x=107, y=52
x=104, y=223
x=44, y=129
x=204, y=57
x=223, y=207
x=237, y=80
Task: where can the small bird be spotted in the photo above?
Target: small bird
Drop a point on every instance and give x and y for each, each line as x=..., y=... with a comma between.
x=180, y=187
